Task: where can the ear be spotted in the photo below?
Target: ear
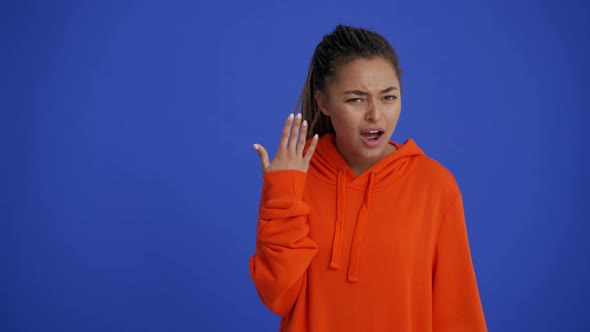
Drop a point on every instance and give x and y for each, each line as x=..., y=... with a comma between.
x=322, y=102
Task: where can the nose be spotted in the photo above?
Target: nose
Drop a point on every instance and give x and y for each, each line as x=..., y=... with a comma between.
x=374, y=111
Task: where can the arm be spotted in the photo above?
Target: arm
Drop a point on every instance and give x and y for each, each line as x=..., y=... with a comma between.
x=456, y=304
x=283, y=248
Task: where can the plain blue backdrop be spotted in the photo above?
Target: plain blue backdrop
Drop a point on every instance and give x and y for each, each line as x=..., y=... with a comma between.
x=130, y=186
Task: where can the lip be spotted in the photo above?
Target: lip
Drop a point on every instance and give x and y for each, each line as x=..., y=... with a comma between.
x=375, y=143
x=372, y=129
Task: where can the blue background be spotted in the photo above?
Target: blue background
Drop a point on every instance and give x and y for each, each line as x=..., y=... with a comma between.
x=130, y=186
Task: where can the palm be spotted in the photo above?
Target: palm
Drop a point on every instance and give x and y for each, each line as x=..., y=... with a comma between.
x=290, y=154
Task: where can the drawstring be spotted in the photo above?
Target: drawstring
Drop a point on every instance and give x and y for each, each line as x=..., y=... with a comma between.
x=339, y=227
x=359, y=228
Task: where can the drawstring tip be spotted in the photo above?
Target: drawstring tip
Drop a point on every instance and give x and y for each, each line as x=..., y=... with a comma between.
x=353, y=278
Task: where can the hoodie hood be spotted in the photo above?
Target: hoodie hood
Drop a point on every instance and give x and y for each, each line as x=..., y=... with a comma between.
x=329, y=165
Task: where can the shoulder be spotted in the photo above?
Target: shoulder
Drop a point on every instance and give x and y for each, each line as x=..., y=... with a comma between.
x=424, y=168
x=433, y=174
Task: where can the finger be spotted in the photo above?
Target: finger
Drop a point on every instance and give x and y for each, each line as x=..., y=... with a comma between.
x=263, y=156
x=311, y=149
x=286, y=132
x=302, y=137
x=295, y=133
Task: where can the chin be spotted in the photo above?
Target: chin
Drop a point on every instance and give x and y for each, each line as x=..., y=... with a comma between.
x=372, y=154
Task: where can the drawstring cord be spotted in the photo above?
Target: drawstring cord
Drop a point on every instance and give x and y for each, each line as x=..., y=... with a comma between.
x=359, y=229
x=339, y=227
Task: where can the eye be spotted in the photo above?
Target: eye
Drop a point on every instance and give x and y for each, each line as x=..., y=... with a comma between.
x=354, y=100
x=390, y=98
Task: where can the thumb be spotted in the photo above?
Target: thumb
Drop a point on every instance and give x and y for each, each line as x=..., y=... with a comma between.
x=263, y=156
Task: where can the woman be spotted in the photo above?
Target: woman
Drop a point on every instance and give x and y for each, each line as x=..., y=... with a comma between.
x=357, y=232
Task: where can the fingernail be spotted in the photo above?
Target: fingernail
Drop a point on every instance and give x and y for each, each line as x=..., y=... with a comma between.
x=304, y=123
x=255, y=146
x=291, y=116
x=298, y=115
x=315, y=136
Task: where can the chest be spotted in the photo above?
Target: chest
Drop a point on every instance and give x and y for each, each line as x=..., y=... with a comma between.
x=400, y=228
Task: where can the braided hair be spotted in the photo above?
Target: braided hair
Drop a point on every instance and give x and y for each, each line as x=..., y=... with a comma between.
x=344, y=45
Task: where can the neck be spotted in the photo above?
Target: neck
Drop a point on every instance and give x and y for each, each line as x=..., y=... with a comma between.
x=359, y=167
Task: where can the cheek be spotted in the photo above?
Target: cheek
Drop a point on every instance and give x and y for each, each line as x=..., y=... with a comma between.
x=345, y=118
x=394, y=112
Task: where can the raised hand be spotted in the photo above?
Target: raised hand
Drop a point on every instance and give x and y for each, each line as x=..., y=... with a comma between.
x=290, y=152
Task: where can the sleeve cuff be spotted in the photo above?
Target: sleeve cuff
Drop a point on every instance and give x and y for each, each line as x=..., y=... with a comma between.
x=283, y=184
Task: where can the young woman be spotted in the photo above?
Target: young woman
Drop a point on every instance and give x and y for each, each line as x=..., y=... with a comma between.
x=357, y=232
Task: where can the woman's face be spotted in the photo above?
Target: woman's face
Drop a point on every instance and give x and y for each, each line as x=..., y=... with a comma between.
x=363, y=101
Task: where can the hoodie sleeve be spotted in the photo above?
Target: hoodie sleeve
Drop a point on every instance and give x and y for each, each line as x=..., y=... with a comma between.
x=283, y=247
x=456, y=304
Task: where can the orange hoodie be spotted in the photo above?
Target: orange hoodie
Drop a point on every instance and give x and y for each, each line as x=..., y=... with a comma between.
x=383, y=251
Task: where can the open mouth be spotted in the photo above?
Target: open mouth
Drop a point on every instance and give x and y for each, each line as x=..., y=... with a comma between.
x=372, y=135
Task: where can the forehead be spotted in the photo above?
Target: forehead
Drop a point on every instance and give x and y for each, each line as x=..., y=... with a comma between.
x=367, y=74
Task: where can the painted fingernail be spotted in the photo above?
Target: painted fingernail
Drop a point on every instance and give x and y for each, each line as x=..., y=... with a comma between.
x=291, y=116
x=315, y=136
x=298, y=115
x=255, y=146
x=305, y=123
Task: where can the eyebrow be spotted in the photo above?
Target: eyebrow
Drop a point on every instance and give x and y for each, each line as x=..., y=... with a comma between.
x=364, y=93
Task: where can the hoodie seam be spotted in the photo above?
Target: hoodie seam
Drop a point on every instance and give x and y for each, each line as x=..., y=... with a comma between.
x=439, y=165
x=440, y=224
x=354, y=187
